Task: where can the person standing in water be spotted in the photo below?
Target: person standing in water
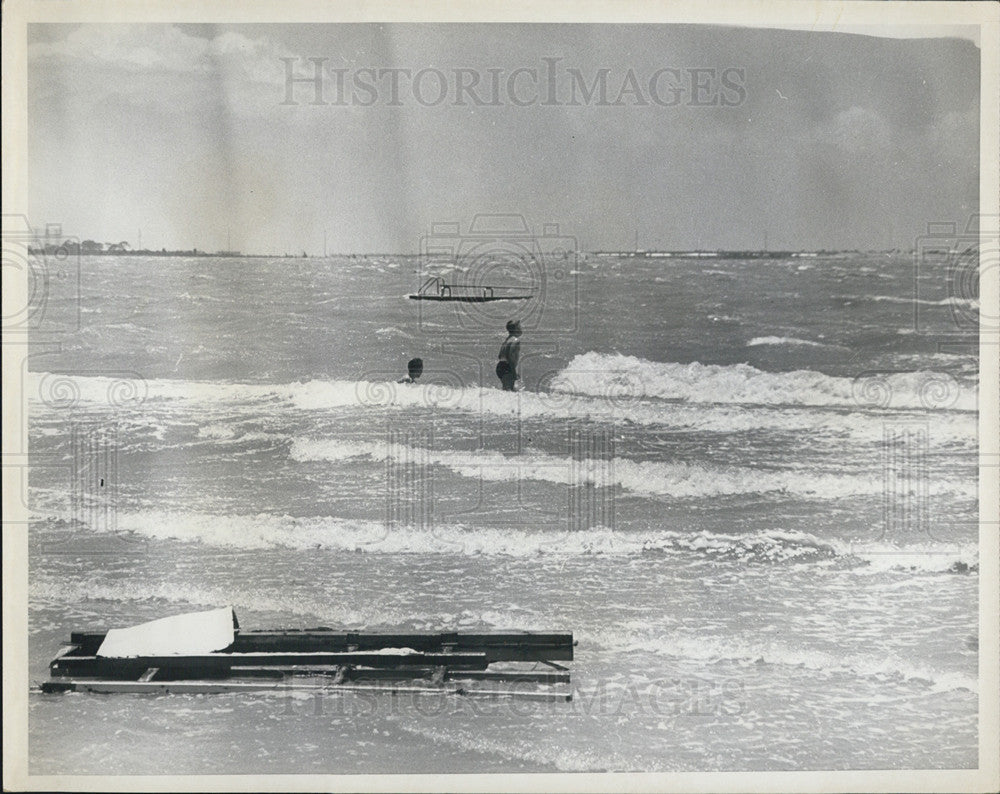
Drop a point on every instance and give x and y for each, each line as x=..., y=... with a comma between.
x=414, y=369
x=510, y=354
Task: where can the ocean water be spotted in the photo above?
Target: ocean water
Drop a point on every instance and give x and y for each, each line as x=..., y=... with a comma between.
x=749, y=489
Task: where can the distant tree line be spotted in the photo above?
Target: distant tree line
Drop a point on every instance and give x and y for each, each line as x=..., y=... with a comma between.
x=92, y=247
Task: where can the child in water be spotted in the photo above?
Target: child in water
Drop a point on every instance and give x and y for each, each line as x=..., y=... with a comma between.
x=510, y=354
x=414, y=368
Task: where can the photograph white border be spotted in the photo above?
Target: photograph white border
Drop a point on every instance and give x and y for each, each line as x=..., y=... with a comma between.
x=875, y=18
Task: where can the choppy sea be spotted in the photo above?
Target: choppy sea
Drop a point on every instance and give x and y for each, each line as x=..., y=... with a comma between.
x=748, y=487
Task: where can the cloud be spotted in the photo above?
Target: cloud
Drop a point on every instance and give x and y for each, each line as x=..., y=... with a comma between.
x=859, y=131
x=165, y=49
x=187, y=122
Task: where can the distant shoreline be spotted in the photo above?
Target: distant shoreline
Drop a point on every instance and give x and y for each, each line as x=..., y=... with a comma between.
x=62, y=250
x=56, y=250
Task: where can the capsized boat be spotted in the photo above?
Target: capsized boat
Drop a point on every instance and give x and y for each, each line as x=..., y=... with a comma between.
x=208, y=652
x=435, y=289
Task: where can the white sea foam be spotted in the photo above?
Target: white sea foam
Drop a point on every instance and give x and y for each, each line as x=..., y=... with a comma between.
x=391, y=331
x=264, y=531
x=216, y=431
x=648, y=478
x=517, y=747
x=759, y=341
x=621, y=377
x=921, y=557
x=793, y=545
x=951, y=300
x=596, y=387
x=714, y=649
x=341, y=535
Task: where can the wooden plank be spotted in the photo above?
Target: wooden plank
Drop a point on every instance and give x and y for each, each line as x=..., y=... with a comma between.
x=221, y=664
x=158, y=687
x=509, y=675
x=470, y=298
x=226, y=687
x=65, y=650
x=56, y=686
x=499, y=646
x=79, y=638
x=336, y=671
x=343, y=673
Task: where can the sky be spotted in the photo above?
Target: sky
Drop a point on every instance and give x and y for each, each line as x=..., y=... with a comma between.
x=704, y=137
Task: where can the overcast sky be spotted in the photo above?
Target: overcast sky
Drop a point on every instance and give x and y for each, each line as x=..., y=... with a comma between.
x=819, y=140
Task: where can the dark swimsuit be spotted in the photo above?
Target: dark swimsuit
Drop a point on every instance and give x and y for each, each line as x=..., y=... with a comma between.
x=505, y=371
x=506, y=374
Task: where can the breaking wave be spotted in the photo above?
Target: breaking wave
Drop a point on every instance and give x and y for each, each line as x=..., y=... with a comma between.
x=715, y=399
x=759, y=341
x=952, y=300
x=622, y=377
x=335, y=534
x=644, y=478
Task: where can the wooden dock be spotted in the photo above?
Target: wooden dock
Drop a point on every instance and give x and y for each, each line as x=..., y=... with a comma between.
x=450, y=663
